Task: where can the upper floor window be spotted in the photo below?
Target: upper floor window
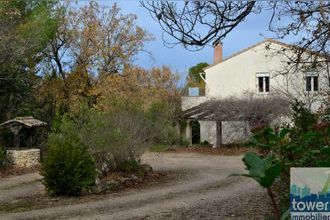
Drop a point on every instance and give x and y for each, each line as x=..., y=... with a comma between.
x=263, y=82
x=312, y=82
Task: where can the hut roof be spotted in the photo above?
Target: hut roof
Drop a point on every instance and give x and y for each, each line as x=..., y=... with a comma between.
x=28, y=121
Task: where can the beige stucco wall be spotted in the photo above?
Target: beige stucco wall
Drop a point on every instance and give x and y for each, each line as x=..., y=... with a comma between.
x=208, y=131
x=191, y=101
x=237, y=76
x=23, y=158
x=232, y=131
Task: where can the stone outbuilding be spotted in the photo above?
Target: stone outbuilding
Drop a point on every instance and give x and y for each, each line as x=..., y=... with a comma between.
x=16, y=155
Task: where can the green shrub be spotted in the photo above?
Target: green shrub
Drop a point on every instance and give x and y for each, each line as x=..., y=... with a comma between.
x=161, y=117
x=68, y=166
x=303, y=119
x=113, y=137
x=67, y=169
x=122, y=133
x=305, y=144
x=184, y=142
x=119, y=136
x=205, y=142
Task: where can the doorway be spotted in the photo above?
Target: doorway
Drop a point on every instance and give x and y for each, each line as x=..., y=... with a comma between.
x=195, y=132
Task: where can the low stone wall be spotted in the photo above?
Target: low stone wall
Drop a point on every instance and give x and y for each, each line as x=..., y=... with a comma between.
x=23, y=158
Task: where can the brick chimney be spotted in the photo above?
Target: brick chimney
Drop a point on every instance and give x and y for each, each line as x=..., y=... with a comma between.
x=218, y=53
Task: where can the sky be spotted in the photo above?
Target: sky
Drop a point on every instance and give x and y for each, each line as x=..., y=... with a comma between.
x=252, y=31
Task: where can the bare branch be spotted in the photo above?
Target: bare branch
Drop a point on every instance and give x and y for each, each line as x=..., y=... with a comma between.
x=198, y=23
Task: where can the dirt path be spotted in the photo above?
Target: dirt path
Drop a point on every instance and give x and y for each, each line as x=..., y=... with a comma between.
x=202, y=191
x=19, y=186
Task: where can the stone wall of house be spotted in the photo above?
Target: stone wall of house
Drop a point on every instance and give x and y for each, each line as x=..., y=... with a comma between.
x=23, y=158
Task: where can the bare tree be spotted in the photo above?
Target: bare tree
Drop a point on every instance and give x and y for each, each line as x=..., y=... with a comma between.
x=309, y=23
x=96, y=40
x=198, y=23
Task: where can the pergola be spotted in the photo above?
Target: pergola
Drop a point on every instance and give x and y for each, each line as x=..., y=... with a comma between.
x=17, y=124
x=253, y=110
x=212, y=111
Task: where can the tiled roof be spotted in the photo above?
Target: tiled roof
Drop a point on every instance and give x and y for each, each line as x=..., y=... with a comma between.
x=26, y=121
x=268, y=40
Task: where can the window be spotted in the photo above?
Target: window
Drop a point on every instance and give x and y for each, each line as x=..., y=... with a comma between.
x=263, y=82
x=312, y=83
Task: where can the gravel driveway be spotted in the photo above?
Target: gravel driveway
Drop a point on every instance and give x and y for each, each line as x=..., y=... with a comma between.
x=202, y=190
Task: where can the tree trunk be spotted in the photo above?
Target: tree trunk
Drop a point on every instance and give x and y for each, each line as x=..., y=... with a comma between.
x=276, y=209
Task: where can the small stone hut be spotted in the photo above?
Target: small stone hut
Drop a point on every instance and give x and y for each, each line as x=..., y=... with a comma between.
x=28, y=156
